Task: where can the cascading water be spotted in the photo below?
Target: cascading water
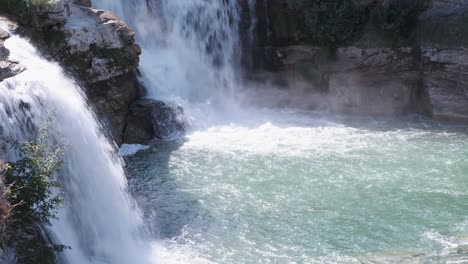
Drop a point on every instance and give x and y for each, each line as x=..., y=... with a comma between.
x=100, y=222
x=301, y=188
x=190, y=52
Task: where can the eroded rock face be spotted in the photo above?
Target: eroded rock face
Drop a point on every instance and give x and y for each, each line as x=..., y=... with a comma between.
x=354, y=80
x=99, y=50
x=151, y=119
x=98, y=45
x=373, y=81
x=429, y=78
x=446, y=82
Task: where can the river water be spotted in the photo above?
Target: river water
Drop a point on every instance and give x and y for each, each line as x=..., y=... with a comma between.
x=311, y=189
x=249, y=185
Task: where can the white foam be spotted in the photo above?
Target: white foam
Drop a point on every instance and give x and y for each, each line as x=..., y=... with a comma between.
x=131, y=149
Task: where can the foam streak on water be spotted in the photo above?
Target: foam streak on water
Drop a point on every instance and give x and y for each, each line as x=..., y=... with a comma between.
x=100, y=222
x=310, y=190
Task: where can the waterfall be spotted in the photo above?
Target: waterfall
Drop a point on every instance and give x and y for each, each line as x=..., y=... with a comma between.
x=190, y=51
x=99, y=221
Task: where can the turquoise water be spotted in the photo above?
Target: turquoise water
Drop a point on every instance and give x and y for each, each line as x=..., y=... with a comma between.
x=311, y=189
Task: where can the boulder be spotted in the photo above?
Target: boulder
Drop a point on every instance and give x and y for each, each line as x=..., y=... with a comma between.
x=150, y=119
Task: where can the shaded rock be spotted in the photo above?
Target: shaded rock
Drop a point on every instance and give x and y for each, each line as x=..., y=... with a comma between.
x=151, y=119
x=4, y=35
x=9, y=69
x=441, y=9
x=373, y=81
x=111, y=100
x=354, y=80
x=55, y=12
x=446, y=83
x=85, y=3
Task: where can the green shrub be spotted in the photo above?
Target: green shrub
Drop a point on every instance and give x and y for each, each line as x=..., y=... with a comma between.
x=398, y=18
x=331, y=23
x=335, y=23
x=33, y=179
x=35, y=197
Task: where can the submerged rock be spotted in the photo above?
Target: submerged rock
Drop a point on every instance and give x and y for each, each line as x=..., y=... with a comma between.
x=151, y=119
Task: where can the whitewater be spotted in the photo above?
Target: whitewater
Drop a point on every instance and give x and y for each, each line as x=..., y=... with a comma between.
x=254, y=185
x=247, y=184
x=99, y=221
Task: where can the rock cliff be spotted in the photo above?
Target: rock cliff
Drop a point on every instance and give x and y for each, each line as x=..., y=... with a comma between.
x=371, y=76
x=95, y=47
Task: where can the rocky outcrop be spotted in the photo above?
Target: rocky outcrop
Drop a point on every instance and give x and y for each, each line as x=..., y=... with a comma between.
x=8, y=68
x=100, y=51
x=446, y=82
x=354, y=80
x=373, y=81
x=368, y=76
x=151, y=119
x=112, y=98
x=98, y=45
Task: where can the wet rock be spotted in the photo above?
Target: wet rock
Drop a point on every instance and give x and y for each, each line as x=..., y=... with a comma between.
x=111, y=100
x=446, y=82
x=151, y=119
x=8, y=68
x=353, y=80
x=4, y=35
x=373, y=81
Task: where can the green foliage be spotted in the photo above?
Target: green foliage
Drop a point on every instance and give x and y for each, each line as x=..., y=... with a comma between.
x=32, y=180
x=398, y=17
x=335, y=23
x=450, y=32
x=19, y=7
x=331, y=23
x=33, y=194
